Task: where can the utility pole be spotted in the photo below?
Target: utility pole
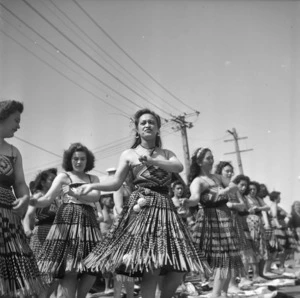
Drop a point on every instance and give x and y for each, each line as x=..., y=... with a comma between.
x=237, y=148
x=182, y=125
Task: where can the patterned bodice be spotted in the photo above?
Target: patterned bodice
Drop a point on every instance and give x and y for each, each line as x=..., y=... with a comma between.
x=151, y=177
x=7, y=176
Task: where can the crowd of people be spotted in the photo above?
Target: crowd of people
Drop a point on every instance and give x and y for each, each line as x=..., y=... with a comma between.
x=65, y=230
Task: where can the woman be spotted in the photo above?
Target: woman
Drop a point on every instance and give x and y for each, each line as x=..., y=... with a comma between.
x=236, y=204
x=279, y=219
x=248, y=255
x=19, y=274
x=214, y=231
x=75, y=231
x=38, y=221
x=149, y=239
x=257, y=222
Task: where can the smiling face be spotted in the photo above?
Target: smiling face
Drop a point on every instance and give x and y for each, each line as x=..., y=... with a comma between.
x=147, y=127
x=79, y=160
x=10, y=125
x=227, y=172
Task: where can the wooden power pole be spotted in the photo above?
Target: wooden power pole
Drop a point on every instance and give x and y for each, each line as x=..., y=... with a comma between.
x=182, y=125
x=237, y=148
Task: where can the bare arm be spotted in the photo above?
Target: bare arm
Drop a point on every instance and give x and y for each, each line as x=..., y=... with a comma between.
x=115, y=182
x=118, y=200
x=195, y=189
x=20, y=188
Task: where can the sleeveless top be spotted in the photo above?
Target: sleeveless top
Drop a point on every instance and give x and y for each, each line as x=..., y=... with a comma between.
x=7, y=176
x=69, y=199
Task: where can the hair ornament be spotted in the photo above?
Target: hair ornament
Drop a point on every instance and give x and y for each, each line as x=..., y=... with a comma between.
x=198, y=152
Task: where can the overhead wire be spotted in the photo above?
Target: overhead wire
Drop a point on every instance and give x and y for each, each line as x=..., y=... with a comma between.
x=66, y=56
x=66, y=65
x=103, y=51
x=129, y=57
x=62, y=74
x=87, y=55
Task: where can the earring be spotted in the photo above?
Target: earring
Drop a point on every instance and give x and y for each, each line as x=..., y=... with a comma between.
x=137, y=136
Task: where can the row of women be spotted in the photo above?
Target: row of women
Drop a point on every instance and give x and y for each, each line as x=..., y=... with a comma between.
x=149, y=240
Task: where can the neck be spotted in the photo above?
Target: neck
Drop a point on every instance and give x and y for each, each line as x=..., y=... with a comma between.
x=148, y=145
x=205, y=172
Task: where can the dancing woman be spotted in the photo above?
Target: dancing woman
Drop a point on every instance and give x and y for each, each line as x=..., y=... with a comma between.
x=75, y=231
x=214, y=231
x=149, y=239
x=19, y=274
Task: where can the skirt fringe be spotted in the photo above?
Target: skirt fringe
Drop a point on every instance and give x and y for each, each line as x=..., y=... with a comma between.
x=153, y=238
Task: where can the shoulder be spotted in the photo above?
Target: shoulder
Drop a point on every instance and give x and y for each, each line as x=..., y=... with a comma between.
x=94, y=178
x=167, y=153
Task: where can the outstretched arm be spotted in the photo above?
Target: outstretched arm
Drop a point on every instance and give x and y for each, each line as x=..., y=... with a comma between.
x=112, y=183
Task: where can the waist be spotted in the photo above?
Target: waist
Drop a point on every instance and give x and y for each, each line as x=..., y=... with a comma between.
x=69, y=199
x=156, y=188
x=214, y=204
x=6, y=185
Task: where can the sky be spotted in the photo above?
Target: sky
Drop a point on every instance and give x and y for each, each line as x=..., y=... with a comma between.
x=82, y=68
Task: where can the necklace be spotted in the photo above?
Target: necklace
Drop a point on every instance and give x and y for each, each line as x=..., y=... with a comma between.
x=147, y=148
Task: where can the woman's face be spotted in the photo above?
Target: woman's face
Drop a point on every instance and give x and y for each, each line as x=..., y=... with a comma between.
x=79, y=161
x=252, y=190
x=178, y=190
x=11, y=124
x=147, y=127
x=242, y=186
x=207, y=162
x=227, y=172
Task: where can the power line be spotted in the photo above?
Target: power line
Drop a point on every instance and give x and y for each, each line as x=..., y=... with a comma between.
x=89, y=56
x=68, y=57
x=101, y=49
x=128, y=56
x=58, y=71
x=62, y=74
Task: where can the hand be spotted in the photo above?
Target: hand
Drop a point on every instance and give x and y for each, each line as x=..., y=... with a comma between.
x=145, y=159
x=28, y=233
x=19, y=206
x=66, y=189
x=229, y=205
x=84, y=189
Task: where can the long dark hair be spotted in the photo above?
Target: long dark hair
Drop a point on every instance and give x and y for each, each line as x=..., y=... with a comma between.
x=197, y=157
x=136, y=119
x=37, y=183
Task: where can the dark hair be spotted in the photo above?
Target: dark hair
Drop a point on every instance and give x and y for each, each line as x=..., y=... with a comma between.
x=263, y=192
x=8, y=107
x=78, y=147
x=274, y=195
x=175, y=183
x=37, y=183
x=196, y=157
x=221, y=165
x=240, y=178
x=136, y=119
x=256, y=184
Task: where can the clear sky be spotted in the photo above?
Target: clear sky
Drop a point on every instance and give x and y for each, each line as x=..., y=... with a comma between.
x=82, y=68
